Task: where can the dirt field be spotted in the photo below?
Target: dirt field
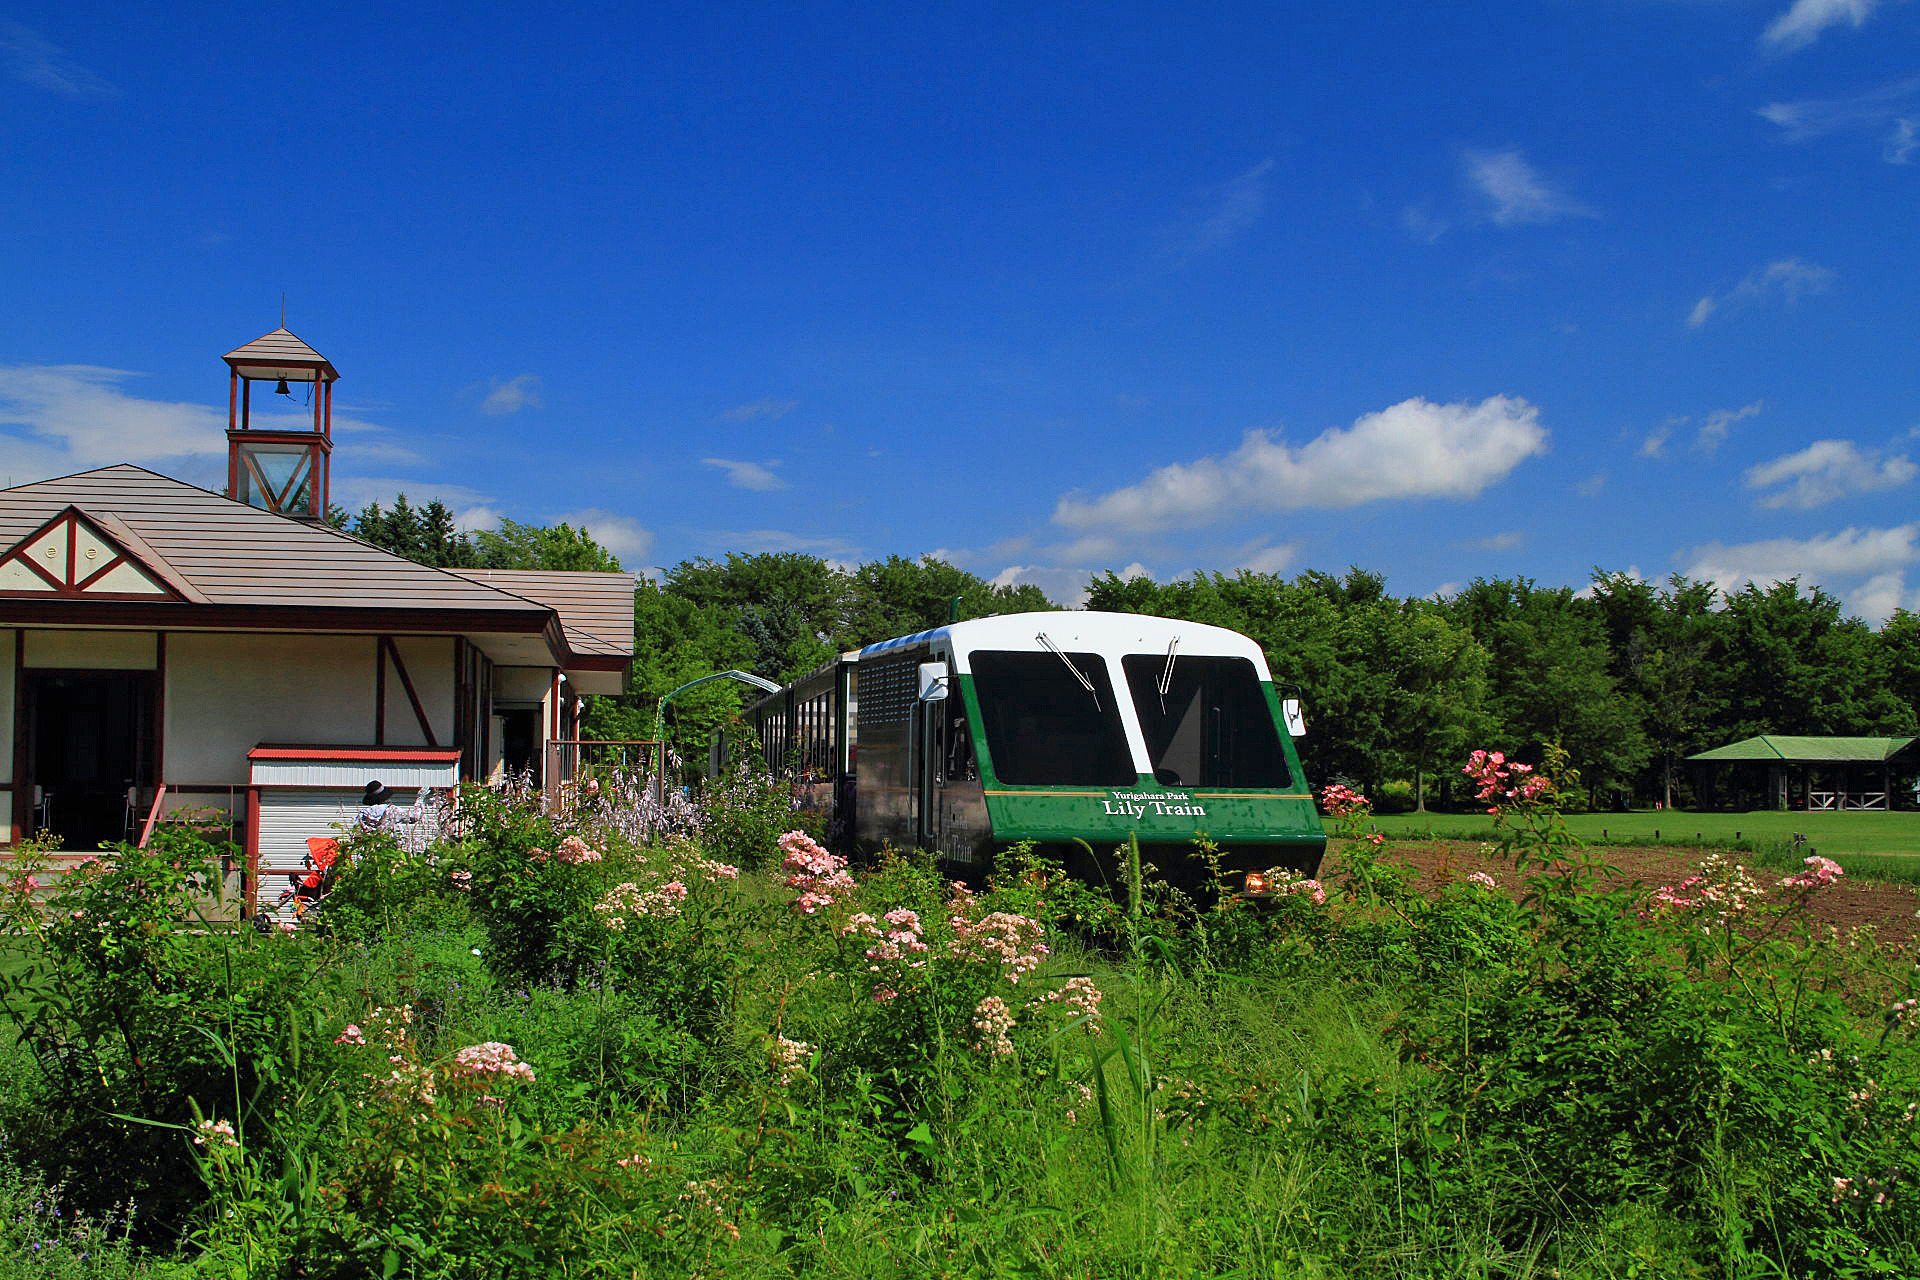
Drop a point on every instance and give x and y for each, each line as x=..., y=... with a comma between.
x=1890, y=908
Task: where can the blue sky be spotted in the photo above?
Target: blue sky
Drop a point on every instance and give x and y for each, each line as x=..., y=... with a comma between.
x=1047, y=290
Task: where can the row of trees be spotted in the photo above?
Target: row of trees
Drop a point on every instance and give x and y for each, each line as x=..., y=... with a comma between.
x=1629, y=676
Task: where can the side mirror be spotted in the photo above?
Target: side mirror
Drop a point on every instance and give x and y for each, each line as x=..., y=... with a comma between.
x=1296, y=718
x=933, y=681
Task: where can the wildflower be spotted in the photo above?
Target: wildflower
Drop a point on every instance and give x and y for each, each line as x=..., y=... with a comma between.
x=1282, y=883
x=789, y=1059
x=707, y=1195
x=352, y=1035
x=626, y=900
x=490, y=1059
x=819, y=876
x=1481, y=880
x=461, y=879
x=1080, y=998
x=1719, y=890
x=1903, y=1011
x=1012, y=941
x=215, y=1134
x=635, y=1161
x=574, y=851
x=992, y=1019
x=1820, y=872
x=1342, y=801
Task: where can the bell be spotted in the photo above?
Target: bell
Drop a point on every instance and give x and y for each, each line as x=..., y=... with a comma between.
x=280, y=388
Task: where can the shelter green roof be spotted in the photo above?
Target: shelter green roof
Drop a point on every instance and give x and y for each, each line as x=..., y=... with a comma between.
x=1773, y=746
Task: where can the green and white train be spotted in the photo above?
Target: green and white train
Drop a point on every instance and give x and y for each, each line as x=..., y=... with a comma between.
x=1054, y=728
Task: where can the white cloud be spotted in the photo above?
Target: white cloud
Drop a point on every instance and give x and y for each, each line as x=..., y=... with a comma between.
x=1220, y=214
x=1713, y=432
x=1516, y=194
x=32, y=59
x=1063, y=586
x=1788, y=278
x=354, y=490
x=1886, y=111
x=519, y=392
x=75, y=417
x=1850, y=553
x=1592, y=485
x=1422, y=225
x=1900, y=146
x=753, y=541
x=748, y=475
x=1826, y=470
x=1259, y=557
x=1414, y=449
x=623, y=535
x=1507, y=541
x=1877, y=597
x=1802, y=24
x=1864, y=567
x=1655, y=443
x=472, y=519
x=766, y=407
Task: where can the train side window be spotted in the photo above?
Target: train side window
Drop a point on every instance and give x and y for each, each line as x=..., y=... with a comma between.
x=1044, y=727
x=1211, y=727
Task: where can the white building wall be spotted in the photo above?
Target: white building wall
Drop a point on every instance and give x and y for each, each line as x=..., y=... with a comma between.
x=92, y=650
x=226, y=694
x=429, y=664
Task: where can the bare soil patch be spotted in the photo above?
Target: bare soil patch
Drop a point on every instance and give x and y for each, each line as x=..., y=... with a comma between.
x=1889, y=908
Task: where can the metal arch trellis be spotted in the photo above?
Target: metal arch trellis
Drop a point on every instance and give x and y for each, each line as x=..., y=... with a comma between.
x=745, y=677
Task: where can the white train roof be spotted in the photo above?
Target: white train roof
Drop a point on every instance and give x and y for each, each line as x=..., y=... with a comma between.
x=1079, y=630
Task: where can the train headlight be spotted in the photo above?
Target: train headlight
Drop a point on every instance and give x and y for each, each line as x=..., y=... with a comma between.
x=1256, y=882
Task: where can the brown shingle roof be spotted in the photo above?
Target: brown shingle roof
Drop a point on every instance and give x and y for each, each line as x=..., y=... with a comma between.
x=596, y=609
x=233, y=554
x=264, y=356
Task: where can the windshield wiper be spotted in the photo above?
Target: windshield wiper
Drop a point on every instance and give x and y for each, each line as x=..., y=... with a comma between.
x=1085, y=683
x=1166, y=675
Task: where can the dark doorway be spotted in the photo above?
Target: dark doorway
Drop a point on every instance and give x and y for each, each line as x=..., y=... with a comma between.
x=90, y=738
x=520, y=742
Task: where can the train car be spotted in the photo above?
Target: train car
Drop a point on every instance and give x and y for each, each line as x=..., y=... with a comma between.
x=1054, y=728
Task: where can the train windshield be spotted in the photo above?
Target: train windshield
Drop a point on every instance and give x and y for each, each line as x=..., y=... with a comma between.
x=1206, y=721
x=1050, y=719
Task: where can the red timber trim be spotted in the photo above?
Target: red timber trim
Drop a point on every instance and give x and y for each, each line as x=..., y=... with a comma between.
x=463, y=709
x=392, y=755
x=380, y=690
x=233, y=413
x=390, y=650
x=239, y=618
x=21, y=790
x=248, y=882
x=159, y=710
x=70, y=582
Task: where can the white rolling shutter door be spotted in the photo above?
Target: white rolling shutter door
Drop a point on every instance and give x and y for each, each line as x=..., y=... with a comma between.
x=287, y=818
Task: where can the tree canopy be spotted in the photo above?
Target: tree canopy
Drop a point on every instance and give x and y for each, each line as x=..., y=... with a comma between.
x=1629, y=677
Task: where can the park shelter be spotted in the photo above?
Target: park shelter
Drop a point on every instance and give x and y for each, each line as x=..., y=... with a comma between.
x=164, y=647
x=1812, y=773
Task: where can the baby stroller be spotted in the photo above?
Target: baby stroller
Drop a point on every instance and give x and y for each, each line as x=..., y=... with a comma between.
x=305, y=890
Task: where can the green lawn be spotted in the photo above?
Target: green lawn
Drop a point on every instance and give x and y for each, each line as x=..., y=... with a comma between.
x=1830, y=833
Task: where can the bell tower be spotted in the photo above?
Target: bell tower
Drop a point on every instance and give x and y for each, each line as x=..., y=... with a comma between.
x=282, y=469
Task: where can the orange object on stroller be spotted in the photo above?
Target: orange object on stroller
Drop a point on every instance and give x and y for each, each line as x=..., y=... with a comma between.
x=322, y=853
